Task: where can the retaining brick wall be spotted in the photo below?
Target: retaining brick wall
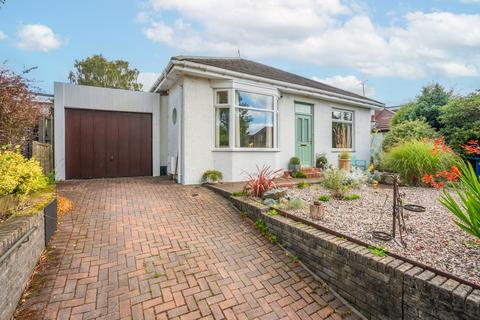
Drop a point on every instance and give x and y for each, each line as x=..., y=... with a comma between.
x=16, y=270
x=379, y=287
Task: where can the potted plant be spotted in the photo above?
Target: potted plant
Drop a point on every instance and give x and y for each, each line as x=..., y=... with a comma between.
x=322, y=161
x=212, y=176
x=294, y=164
x=344, y=160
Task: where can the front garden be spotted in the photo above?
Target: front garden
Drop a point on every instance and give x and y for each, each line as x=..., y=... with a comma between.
x=440, y=230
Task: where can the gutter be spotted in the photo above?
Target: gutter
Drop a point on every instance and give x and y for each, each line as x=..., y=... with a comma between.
x=283, y=86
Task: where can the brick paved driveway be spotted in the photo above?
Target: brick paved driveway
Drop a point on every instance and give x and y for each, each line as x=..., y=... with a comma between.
x=146, y=248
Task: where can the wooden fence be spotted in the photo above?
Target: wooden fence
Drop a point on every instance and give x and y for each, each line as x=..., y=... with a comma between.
x=43, y=152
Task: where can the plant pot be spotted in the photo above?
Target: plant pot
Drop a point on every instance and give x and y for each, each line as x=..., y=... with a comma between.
x=50, y=216
x=294, y=167
x=344, y=164
x=317, y=210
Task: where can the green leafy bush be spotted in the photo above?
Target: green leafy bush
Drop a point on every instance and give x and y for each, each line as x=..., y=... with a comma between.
x=460, y=121
x=406, y=131
x=414, y=159
x=322, y=161
x=324, y=198
x=350, y=197
x=303, y=184
x=467, y=209
x=294, y=160
x=298, y=175
x=334, y=180
x=295, y=204
x=212, y=176
x=18, y=175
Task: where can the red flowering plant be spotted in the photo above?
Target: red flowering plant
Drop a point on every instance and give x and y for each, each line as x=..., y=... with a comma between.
x=438, y=179
x=262, y=181
x=472, y=147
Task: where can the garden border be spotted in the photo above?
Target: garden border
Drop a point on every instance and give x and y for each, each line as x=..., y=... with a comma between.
x=22, y=241
x=392, y=287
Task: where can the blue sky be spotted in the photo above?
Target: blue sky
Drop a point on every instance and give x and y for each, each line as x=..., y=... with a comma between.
x=397, y=46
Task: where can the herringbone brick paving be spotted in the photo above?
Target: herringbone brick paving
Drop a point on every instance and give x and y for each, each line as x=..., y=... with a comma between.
x=145, y=248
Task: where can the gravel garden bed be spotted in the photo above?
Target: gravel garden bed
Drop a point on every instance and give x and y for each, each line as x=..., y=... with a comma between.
x=432, y=237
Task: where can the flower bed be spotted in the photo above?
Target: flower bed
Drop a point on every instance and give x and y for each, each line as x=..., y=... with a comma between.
x=432, y=237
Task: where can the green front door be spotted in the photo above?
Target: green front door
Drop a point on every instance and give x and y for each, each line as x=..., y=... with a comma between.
x=303, y=139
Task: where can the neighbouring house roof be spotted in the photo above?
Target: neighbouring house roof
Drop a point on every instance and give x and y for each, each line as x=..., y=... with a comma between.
x=256, y=69
x=382, y=119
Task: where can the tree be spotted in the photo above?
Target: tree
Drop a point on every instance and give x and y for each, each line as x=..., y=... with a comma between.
x=427, y=106
x=99, y=72
x=407, y=131
x=19, y=112
x=460, y=121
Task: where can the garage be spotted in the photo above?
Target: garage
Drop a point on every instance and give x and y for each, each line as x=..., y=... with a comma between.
x=106, y=144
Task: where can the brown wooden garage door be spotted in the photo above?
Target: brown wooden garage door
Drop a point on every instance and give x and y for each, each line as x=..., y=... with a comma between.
x=101, y=144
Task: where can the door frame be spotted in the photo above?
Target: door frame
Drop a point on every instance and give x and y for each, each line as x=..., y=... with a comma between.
x=312, y=127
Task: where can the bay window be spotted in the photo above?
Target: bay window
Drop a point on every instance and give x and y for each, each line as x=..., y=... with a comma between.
x=342, y=129
x=254, y=120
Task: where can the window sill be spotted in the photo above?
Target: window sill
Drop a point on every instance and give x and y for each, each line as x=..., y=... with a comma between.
x=343, y=149
x=246, y=150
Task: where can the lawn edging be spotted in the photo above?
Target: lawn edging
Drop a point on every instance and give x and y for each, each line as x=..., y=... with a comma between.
x=22, y=241
x=379, y=287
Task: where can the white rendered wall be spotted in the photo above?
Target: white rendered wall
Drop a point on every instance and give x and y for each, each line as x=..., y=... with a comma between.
x=199, y=130
x=95, y=98
x=175, y=101
x=164, y=130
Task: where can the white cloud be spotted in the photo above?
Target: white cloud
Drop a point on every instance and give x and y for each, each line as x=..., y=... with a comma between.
x=350, y=83
x=2, y=35
x=147, y=79
x=37, y=37
x=332, y=33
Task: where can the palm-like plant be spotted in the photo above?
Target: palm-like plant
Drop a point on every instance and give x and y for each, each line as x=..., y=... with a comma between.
x=260, y=182
x=467, y=209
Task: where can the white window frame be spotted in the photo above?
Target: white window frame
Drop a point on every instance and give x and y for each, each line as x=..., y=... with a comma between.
x=273, y=111
x=341, y=120
x=223, y=106
x=232, y=106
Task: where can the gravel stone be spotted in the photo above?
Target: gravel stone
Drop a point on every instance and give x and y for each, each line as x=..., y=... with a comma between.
x=432, y=237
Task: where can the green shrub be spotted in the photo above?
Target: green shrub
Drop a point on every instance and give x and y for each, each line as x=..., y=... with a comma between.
x=303, y=184
x=18, y=175
x=460, y=121
x=324, y=198
x=295, y=204
x=294, y=160
x=414, y=159
x=406, y=131
x=242, y=193
x=51, y=177
x=322, y=161
x=298, y=175
x=334, y=180
x=350, y=197
x=212, y=176
x=272, y=212
x=345, y=155
x=467, y=209
x=378, y=251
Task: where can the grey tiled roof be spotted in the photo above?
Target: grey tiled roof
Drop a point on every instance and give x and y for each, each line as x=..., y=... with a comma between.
x=261, y=70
